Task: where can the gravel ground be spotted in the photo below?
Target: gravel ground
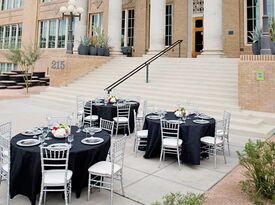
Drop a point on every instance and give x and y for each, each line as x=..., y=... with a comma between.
x=228, y=191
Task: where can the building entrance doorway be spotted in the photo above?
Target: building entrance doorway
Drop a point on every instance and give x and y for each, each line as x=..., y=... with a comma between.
x=197, y=36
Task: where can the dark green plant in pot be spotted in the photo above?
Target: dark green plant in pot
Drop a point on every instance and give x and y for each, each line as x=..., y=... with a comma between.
x=272, y=34
x=182, y=199
x=259, y=160
x=256, y=36
x=84, y=46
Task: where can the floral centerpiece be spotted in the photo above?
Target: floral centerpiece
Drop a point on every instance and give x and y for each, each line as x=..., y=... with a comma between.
x=112, y=99
x=181, y=112
x=61, y=130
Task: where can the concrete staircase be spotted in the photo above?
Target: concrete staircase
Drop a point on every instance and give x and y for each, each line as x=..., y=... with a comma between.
x=212, y=84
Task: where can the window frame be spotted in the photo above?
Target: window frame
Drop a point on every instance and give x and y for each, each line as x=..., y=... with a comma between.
x=171, y=25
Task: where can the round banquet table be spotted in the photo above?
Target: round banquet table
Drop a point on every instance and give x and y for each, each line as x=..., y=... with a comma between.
x=190, y=133
x=25, y=170
x=109, y=111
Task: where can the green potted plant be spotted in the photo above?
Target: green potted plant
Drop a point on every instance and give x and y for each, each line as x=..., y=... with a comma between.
x=84, y=48
x=272, y=35
x=93, y=46
x=256, y=36
x=103, y=45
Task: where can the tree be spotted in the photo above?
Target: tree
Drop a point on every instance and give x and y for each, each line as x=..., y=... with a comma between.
x=25, y=59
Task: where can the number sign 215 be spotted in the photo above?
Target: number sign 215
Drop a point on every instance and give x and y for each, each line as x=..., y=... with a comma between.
x=58, y=64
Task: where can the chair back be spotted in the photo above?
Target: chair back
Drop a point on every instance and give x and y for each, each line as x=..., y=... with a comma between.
x=170, y=130
x=5, y=136
x=88, y=109
x=80, y=104
x=220, y=128
x=107, y=126
x=55, y=158
x=226, y=119
x=117, y=152
x=123, y=110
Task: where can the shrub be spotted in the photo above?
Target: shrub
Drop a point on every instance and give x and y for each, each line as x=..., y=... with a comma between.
x=182, y=199
x=259, y=160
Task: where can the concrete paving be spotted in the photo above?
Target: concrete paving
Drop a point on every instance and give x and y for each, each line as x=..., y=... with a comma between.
x=145, y=182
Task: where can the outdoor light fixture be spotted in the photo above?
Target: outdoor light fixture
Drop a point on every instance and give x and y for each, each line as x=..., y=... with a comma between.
x=70, y=12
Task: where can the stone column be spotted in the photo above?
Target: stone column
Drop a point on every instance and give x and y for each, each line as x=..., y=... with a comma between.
x=265, y=41
x=157, y=26
x=213, y=28
x=114, y=26
x=80, y=29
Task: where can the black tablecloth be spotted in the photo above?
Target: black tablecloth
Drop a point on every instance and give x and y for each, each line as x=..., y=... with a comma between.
x=109, y=111
x=190, y=133
x=25, y=176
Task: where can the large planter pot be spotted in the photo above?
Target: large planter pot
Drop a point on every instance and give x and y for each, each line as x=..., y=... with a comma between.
x=107, y=52
x=83, y=50
x=93, y=51
x=256, y=48
x=272, y=47
x=101, y=51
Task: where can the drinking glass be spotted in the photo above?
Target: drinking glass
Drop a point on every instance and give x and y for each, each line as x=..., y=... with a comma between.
x=79, y=125
x=70, y=139
x=35, y=131
x=42, y=139
x=91, y=131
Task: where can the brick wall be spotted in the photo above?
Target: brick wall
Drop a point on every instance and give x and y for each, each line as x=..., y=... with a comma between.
x=253, y=94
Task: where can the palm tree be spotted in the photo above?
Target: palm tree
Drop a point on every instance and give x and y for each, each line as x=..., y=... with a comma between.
x=25, y=59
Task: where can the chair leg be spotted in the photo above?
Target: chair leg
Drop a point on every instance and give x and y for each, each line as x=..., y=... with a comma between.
x=215, y=157
x=224, y=154
x=8, y=190
x=44, y=197
x=89, y=187
x=70, y=192
x=66, y=194
x=161, y=153
x=116, y=129
x=112, y=190
x=228, y=146
x=178, y=156
x=41, y=195
x=121, y=182
x=128, y=126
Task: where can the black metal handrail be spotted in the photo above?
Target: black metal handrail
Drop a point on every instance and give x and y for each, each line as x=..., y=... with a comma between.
x=143, y=65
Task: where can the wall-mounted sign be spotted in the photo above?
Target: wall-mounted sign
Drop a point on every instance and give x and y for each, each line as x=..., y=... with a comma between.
x=259, y=75
x=58, y=64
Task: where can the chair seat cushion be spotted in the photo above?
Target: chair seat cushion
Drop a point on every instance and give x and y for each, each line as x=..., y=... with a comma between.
x=142, y=133
x=103, y=168
x=91, y=117
x=55, y=177
x=210, y=140
x=5, y=168
x=171, y=142
x=121, y=119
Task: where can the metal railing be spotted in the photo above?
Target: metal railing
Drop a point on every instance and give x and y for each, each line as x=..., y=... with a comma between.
x=143, y=65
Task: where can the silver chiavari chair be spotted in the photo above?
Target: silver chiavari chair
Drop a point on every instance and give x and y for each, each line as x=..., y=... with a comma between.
x=123, y=116
x=107, y=126
x=55, y=174
x=225, y=133
x=88, y=117
x=213, y=144
x=140, y=135
x=170, y=142
x=5, y=136
x=108, y=170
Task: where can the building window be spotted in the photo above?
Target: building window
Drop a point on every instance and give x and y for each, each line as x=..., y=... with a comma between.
x=53, y=33
x=169, y=25
x=11, y=4
x=7, y=67
x=61, y=34
x=252, y=18
x=127, y=29
x=96, y=22
x=10, y=36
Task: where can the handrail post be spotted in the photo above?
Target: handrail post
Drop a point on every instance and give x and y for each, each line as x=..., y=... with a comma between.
x=179, y=48
x=147, y=73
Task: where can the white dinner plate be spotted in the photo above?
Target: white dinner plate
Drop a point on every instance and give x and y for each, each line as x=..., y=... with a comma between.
x=96, y=129
x=28, y=142
x=201, y=121
x=205, y=117
x=92, y=140
x=154, y=117
x=175, y=121
x=31, y=132
x=98, y=104
x=132, y=102
x=59, y=145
